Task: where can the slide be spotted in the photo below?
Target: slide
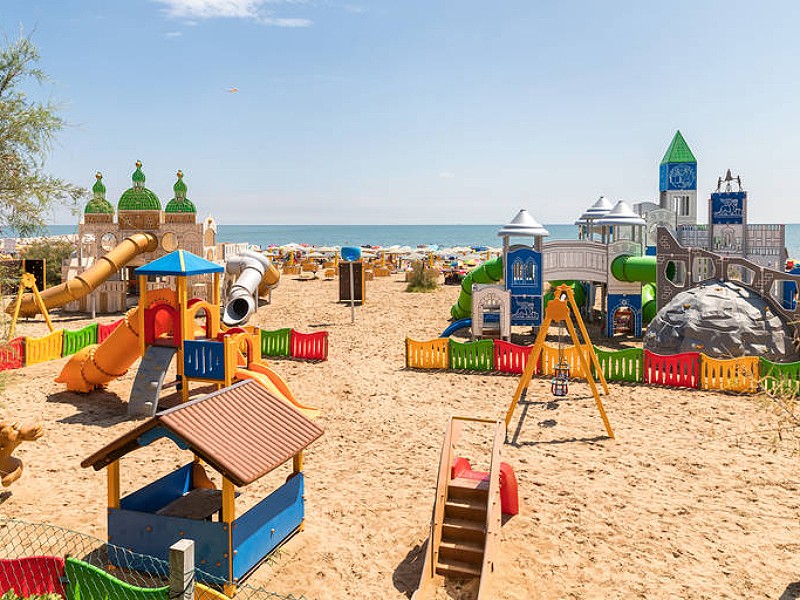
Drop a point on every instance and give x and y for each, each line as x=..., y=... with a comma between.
x=96, y=365
x=256, y=275
x=275, y=385
x=489, y=272
x=643, y=270
x=83, y=284
x=577, y=290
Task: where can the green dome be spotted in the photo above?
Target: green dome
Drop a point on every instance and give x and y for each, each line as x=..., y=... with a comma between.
x=180, y=203
x=138, y=197
x=98, y=203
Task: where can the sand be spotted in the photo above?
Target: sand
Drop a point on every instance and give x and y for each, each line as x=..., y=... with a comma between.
x=693, y=499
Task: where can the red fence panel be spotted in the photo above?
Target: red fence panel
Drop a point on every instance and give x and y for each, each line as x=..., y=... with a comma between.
x=310, y=346
x=12, y=354
x=511, y=358
x=677, y=370
x=103, y=331
x=32, y=575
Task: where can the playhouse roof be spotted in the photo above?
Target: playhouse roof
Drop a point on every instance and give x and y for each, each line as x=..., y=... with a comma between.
x=678, y=151
x=523, y=225
x=242, y=431
x=599, y=209
x=180, y=262
x=621, y=214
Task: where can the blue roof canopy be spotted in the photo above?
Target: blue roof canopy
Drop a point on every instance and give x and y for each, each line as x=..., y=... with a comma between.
x=179, y=262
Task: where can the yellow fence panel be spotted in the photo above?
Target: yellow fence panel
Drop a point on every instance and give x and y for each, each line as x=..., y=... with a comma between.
x=733, y=374
x=550, y=359
x=44, y=348
x=427, y=355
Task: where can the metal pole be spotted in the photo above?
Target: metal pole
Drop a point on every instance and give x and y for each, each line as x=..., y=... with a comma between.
x=352, y=295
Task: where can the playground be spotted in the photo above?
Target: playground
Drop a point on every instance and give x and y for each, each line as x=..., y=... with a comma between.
x=694, y=498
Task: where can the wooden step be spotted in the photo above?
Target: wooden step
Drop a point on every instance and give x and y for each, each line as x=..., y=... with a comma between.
x=465, y=551
x=459, y=530
x=461, y=487
x=456, y=568
x=470, y=509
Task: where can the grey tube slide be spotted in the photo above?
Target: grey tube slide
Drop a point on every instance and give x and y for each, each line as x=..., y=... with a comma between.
x=241, y=304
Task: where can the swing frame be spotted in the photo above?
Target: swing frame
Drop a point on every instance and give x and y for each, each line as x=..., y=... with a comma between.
x=561, y=309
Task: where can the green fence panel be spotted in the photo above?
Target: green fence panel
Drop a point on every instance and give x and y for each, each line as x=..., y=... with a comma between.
x=78, y=340
x=87, y=582
x=472, y=356
x=621, y=365
x=276, y=343
x=782, y=379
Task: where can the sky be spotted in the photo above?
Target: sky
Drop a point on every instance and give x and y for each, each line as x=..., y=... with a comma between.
x=417, y=111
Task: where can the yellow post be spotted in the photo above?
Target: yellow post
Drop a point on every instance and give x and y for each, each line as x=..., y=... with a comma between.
x=140, y=312
x=228, y=516
x=15, y=316
x=112, y=472
x=297, y=462
x=40, y=304
x=182, y=327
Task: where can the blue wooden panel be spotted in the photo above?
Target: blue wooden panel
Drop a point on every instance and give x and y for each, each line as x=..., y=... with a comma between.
x=262, y=528
x=682, y=176
x=526, y=310
x=204, y=359
x=152, y=535
x=524, y=271
x=728, y=207
x=159, y=493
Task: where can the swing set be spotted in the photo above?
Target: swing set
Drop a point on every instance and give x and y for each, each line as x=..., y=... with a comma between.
x=561, y=310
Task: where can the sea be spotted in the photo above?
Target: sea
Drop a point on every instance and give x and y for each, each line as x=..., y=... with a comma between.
x=443, y=236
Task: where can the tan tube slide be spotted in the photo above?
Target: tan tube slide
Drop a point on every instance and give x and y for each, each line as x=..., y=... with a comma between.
x=83, y=284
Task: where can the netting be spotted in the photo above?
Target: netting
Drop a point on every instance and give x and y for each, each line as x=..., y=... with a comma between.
x=47, y=562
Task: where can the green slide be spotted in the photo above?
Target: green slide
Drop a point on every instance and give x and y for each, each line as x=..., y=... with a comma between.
x=577, y=290
x=643, y=270
x=489, y=272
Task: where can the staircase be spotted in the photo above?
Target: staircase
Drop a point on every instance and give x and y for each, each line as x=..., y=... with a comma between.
x=463, y=529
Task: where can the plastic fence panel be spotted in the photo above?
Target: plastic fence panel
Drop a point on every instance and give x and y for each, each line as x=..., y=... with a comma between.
x=472, y=356
x=33, y=575
x=310, y=346
x=44, y=348
x=276, y=343
x=782, y=379
x=677, y=370
x=511, y=358
x=103, y=331
x=621, y=365
x=87, y=581
x=12, y=354
x=434, y=354
x=733, y=374
x=78, y=340
x=550, y=358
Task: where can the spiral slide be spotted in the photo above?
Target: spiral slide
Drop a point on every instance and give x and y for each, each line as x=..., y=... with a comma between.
x=489, y=272
x=83, y=284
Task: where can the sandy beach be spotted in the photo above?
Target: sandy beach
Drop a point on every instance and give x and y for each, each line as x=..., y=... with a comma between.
x=694, y=499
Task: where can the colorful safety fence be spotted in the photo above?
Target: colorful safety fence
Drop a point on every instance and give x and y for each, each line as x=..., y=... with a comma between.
x=632, y=365
x=23, y=351
x=293, y=344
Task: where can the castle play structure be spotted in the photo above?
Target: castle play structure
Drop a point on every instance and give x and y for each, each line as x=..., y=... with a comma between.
x=630, y=261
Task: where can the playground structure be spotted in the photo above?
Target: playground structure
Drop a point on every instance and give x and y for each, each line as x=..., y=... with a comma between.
x=139, y=211
x=224, y=430
x=466, y=519
x=618, y=261
x=12, y=434
x=164, y=326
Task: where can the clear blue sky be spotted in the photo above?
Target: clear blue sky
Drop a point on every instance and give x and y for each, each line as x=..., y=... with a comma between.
x=418, y=111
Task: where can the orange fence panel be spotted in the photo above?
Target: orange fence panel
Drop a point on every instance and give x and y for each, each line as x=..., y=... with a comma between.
x=733, y=374
x=550, y=358
x=434, y=354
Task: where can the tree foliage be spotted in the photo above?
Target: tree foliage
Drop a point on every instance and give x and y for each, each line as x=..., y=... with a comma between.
x=27, y=132
x=53, y=252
